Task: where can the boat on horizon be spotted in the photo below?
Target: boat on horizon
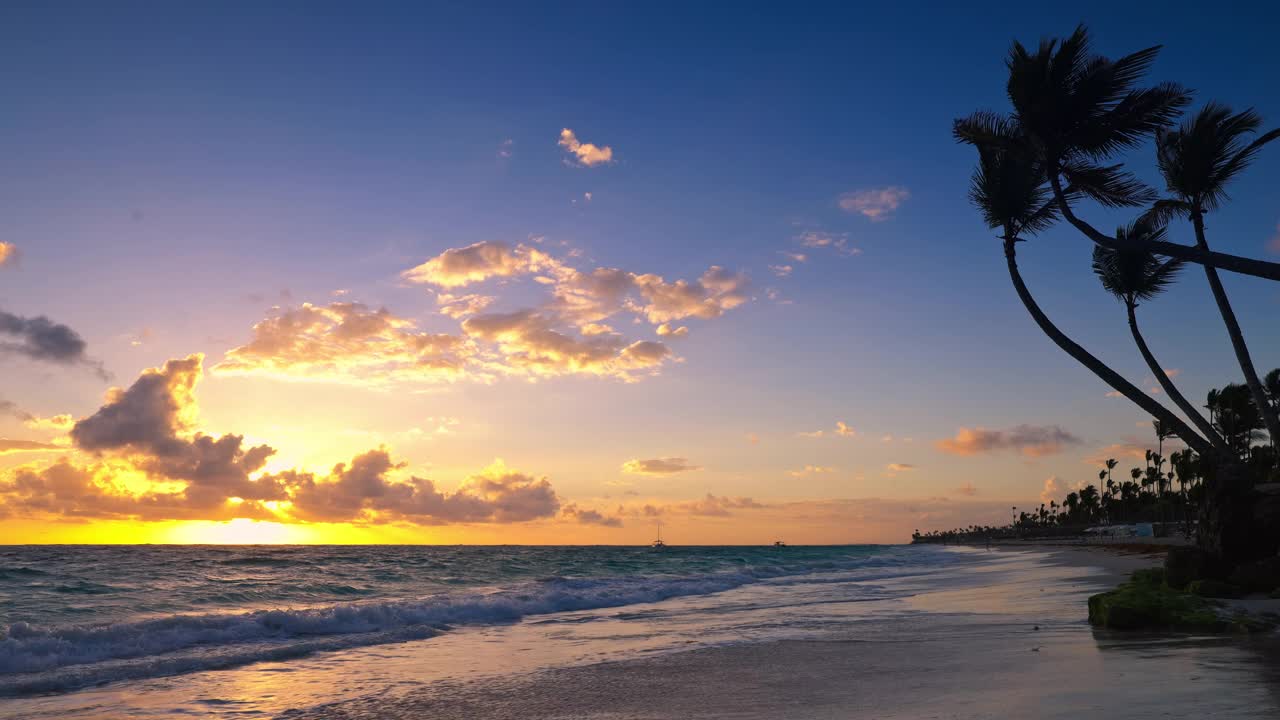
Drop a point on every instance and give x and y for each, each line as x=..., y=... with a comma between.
x=658, y=544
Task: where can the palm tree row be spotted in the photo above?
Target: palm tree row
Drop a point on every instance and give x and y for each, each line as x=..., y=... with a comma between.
x=1072, y=113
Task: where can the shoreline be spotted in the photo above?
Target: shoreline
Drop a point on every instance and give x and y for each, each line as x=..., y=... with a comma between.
x=1017, y=624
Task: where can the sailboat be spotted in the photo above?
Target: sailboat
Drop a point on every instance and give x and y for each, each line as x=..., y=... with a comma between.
x=658, y=544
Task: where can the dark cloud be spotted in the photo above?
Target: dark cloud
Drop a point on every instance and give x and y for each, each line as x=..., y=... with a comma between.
x=590, y=517
x=10, y=409
x=1032, y=440
x=149, y=415
x=147, y=428
x=39, y=338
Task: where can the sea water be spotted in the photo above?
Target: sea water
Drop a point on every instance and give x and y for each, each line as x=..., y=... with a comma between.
x=78, y=617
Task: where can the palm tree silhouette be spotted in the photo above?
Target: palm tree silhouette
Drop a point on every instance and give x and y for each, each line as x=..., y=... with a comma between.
x=1009, y=188
x=1132, y=273
x=1078, y=110
x=1198, y=160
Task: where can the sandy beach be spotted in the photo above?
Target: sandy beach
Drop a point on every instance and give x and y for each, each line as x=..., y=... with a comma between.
x=1012, y=643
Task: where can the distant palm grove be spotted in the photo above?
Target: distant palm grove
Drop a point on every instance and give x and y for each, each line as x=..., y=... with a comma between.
x=1074, y=116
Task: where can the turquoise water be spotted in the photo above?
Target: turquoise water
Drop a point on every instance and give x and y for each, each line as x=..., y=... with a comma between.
x=77, y=616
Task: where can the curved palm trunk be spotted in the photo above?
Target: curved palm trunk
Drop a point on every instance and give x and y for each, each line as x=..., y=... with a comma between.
x=1199, y=255
x=1106, y=374
x=1172, y=390
x=1237, y=337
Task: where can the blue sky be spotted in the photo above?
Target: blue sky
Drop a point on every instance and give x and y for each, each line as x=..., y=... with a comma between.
x=168, y=171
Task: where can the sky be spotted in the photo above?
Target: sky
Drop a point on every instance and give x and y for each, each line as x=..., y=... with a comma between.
x=491, y=273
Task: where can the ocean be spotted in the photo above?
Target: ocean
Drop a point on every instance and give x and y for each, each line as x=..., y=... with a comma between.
x=304, y=631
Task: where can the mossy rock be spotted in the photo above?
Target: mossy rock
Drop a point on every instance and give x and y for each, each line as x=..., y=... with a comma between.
x=1145, y=603
x=1184, y=564
x=1214, y=589
x=1261, y=576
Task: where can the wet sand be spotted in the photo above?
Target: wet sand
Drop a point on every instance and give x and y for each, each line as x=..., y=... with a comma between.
x=1011, y=642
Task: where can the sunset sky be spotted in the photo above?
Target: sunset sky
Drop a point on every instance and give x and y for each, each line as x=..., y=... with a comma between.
x=293, y=272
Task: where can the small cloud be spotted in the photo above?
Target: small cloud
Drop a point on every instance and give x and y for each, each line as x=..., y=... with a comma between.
x=142, y=338
x=795, y=257
x=12, y=446
x=589, y=517
x=57, y=422
x=781, y=270
x=585, y=154
x=967, y=489
x=753, y=439
x=8, y=254
x=1054, y=490
x=808, y=470
x=658, y=466
x=841, y=430
x=877, y=204
x=1115, y=394
x=818, y=239
x=506, y=148
x=886, y=438
x=1172, y=373
x=894, y=468
x=340, y=292
x=1273, y=245
x=1030, y=440
x=665, y=330
x=39, y=338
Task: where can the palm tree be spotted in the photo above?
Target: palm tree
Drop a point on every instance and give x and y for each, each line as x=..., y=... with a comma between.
x=1078, y=110
x=1271, y=383
x=1008, y=187
x=1198, y=160
x=1133, y=273
x=1238, y=417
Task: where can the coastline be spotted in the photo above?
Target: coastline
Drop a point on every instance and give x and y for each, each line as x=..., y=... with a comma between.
x=1013, y=643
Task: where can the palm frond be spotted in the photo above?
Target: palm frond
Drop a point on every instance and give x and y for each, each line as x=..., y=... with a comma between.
x=1202, y=156
x=1165, y=210
x=1110, y=185
x=1130, y=271
x=1009, y=185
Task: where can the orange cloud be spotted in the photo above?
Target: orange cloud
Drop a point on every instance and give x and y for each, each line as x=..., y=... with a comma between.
x=876, y=204
x=659, y=466
x=8, y=254
x=351, y=342
x=811, y=470
x=584, y=154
